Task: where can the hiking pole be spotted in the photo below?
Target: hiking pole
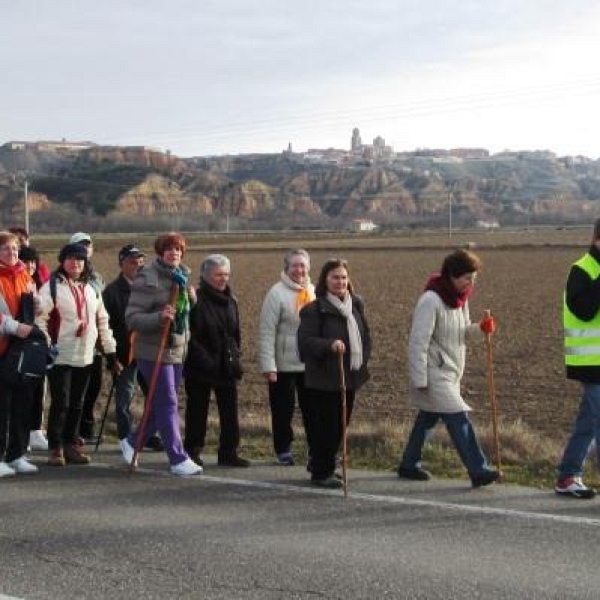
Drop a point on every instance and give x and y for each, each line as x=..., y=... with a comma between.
x=110, y=394
x=344, y=425
x=492, y=393
x=164, y=334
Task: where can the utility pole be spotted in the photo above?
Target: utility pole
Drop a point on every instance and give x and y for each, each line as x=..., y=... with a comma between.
x=449, y=213
x=27, y=208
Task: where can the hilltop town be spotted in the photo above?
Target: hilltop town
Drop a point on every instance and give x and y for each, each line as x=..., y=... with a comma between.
x=366, y=186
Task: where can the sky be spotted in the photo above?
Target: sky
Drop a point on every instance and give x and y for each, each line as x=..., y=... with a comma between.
x=211, y=77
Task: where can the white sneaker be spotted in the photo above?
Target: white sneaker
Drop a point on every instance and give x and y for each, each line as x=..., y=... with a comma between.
x=37, y=440
x=22, y=465
x=5, y=470
x=186, y=468
x=127, y=450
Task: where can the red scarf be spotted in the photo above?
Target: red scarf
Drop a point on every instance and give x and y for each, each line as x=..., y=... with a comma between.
x=12, y=270
x=447, y=292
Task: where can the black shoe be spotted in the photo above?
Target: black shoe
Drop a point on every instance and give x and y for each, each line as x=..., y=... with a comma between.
x=233, y=461
x=155, y=443
x=414, y=474
x=486, y=478
x=328, y=482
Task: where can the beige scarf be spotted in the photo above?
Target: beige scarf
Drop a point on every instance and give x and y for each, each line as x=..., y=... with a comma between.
x=356, y=349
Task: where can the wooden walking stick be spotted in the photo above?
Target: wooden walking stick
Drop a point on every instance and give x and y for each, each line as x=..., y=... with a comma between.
x=344, y=425
x=166, y=329
x=492, y=392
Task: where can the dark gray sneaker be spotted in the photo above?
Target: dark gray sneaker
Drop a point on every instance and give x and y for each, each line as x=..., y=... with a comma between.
x=486, y=478
x=414, y=474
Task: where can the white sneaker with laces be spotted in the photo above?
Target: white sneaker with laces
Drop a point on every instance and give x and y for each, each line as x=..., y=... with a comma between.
x=186, y=468
x=5, y=470
x=37, y=440
x=127, y=450
x=22, y=465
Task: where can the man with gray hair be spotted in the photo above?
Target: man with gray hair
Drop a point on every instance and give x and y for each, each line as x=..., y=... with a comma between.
x=214, y=363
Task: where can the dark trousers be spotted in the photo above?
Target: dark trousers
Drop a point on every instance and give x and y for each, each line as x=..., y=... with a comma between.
x=325, y=425
x=67, y=390
x=86, y=427
x=38, y=391
x=196, y=417
x=282, y=398
x=15, y=409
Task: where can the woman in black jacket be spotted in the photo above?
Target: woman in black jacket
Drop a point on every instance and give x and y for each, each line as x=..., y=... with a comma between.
x=214, y=362
x=334, y=323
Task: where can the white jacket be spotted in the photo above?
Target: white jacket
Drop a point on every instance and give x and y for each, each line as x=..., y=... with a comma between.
x=436, y=354
x=73, y=350
x=279, y=321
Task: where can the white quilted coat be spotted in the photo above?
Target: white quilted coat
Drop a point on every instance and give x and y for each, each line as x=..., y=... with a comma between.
x=436, y=354
x=279, y=321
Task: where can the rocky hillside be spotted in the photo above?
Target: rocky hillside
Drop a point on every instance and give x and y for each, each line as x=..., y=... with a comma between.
x=140, y=189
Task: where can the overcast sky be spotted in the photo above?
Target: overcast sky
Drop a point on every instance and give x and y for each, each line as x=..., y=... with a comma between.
x=203, y=77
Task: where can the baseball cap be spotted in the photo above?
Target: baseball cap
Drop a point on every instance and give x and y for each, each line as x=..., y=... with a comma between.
x=130, y=251
x=79, y=237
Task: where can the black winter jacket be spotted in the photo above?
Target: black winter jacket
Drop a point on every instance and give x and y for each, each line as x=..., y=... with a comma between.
x=214, y=354
x=320, y=325
x=116, y=296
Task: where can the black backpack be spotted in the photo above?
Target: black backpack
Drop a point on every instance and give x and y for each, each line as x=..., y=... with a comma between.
x=29, y=358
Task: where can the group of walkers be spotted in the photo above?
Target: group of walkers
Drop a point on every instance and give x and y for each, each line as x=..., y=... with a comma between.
x=153, y=327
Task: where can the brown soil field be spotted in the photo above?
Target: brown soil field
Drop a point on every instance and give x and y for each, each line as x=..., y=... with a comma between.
x=522, y=283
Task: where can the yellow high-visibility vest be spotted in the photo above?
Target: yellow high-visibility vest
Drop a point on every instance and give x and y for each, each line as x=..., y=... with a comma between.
x=582, y=338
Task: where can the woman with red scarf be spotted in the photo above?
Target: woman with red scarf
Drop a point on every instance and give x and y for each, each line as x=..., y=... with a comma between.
x=436, y=351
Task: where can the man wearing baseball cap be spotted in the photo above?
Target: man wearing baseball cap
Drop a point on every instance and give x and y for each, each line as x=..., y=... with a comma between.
x=116, y=296
x=86, y=427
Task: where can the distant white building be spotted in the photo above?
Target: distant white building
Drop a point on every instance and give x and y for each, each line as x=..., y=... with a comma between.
x=491, y=224
x=363, y=225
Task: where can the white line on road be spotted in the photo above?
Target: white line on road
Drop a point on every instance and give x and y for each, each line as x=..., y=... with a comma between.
x=472, y=508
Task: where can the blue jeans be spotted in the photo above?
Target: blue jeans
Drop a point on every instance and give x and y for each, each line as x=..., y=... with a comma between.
x=124, y=389
x=585, y=430
x=461, y=433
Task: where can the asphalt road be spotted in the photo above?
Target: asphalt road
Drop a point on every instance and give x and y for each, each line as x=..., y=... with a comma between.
x=265, y=533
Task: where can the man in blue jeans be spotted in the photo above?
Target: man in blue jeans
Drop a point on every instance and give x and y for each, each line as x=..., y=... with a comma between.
x=116, y=297
x=581, y=316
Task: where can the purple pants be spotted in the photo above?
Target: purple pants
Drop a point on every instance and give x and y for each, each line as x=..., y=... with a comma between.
x=164, y=414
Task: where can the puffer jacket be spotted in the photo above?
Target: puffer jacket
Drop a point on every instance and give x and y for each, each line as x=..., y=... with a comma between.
x=436, y=354
x=279, y=321
x=321, y=324
x=13, y=284
x=76, y=351
x=150, y=293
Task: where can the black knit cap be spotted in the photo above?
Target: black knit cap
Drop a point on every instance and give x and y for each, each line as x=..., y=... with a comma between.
x=27, y=253
x=72, y=250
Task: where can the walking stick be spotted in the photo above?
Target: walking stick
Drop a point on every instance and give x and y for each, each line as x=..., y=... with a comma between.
x=344, y=425
x=492, y=392
x=110, y=394
x=166, y=328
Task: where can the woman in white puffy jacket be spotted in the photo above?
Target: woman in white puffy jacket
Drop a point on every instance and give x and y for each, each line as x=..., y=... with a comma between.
x=278, y=353
x=79, y=319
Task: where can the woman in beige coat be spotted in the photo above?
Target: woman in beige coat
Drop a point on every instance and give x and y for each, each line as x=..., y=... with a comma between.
x=441, y=325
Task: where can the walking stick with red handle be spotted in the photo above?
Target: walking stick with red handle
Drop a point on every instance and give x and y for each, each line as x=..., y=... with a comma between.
x=344, y=425
x=164, y=334
x=492, y=391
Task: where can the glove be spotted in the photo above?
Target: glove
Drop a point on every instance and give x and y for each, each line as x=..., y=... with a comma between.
x=487, y=325
x=113, y=365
